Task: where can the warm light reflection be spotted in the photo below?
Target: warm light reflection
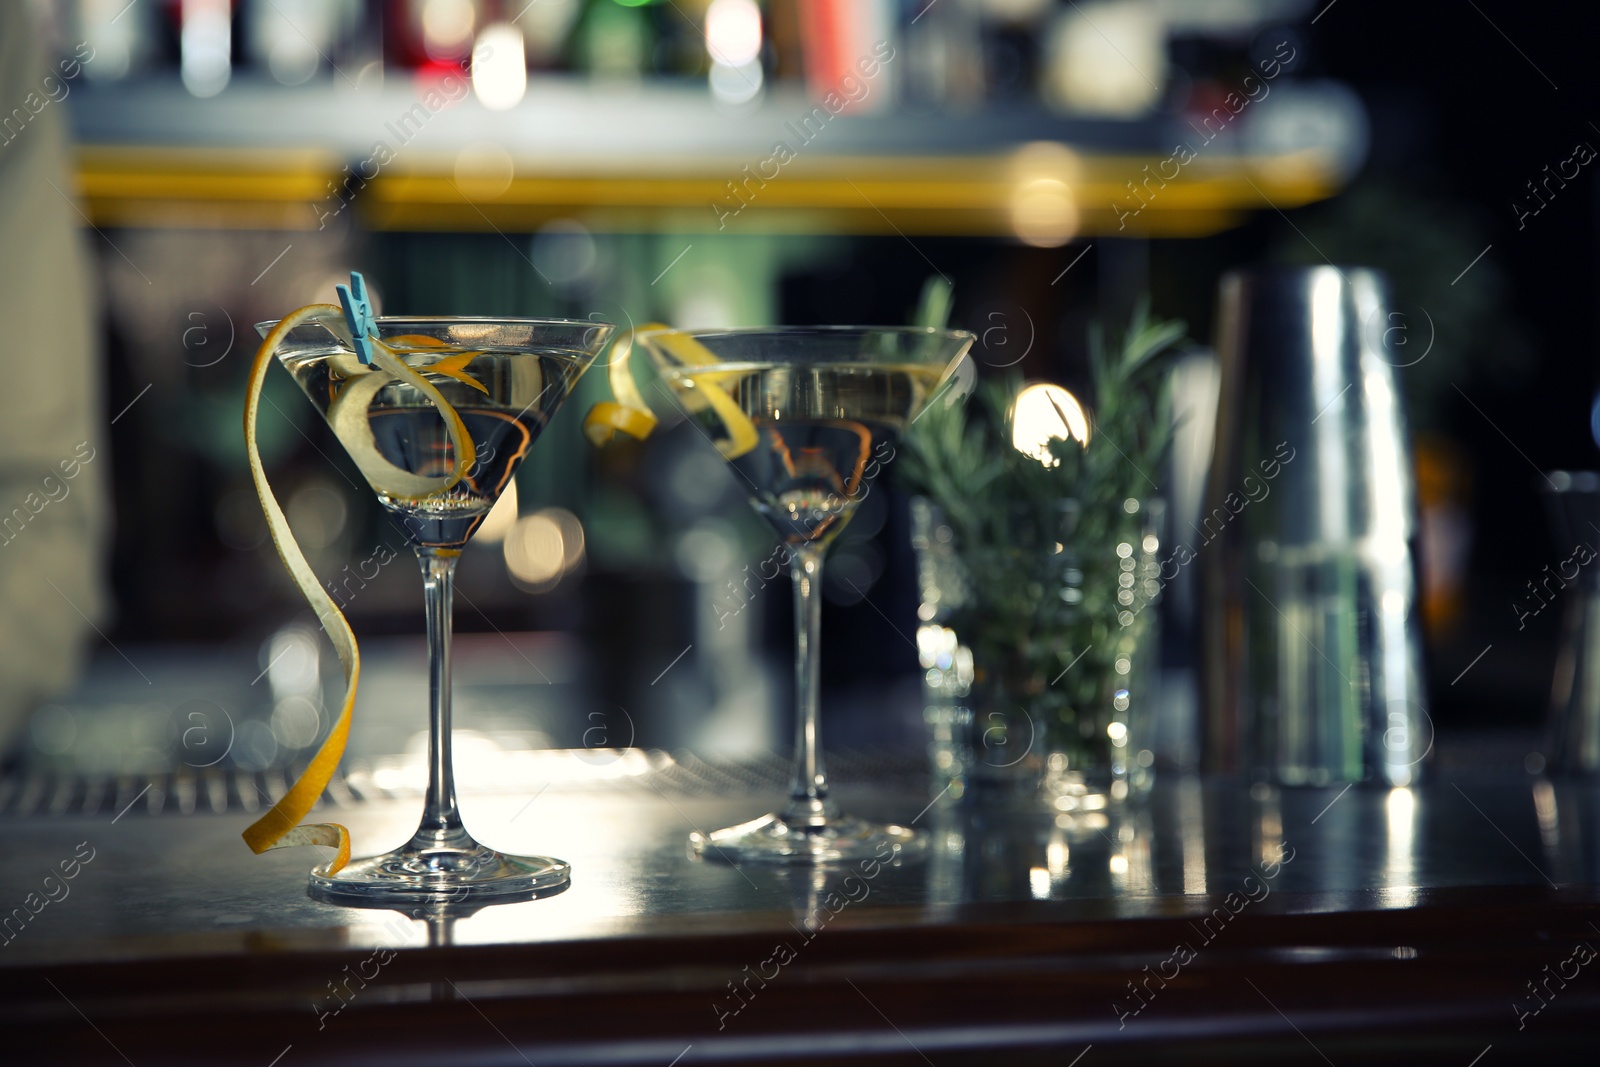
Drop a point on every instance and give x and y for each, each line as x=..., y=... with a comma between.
x=484, y=765
x=1044, y=208
x=1269, y=825
x=501, y=518
x=484, y=170
x=1108, y=59
x=733, y=41
x=1544, y=807
x=1044, y=412
x=733, y=31
x=447, y=27
x=541, y=548
x=1044, y=212
x=1399, y=857
x=1134, y=838
x=534, y=551
x=947, y=664
x=500, y=67
x=551, y=825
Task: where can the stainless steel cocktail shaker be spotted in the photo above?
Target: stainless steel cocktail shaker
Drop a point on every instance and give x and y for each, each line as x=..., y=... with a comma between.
x=1311, y=650
x=1573, y=745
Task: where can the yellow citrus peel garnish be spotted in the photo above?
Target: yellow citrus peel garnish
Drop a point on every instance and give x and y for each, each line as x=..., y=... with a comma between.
x=283, y=825
x=452, y=366
x=630, y=414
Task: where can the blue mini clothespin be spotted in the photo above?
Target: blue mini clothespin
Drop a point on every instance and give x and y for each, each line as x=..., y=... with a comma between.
x=358, y=315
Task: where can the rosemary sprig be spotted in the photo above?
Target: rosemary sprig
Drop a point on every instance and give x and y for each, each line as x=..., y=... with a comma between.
x=1030, y=609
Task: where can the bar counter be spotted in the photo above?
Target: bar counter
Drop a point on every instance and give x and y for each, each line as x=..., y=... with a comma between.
x=1209, y=921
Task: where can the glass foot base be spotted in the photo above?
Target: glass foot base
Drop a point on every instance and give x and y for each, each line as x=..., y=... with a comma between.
x=776, y=839
x=453, y=874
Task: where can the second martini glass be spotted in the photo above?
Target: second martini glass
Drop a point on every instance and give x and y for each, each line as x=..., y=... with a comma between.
x=806, y=416
x=505, y=378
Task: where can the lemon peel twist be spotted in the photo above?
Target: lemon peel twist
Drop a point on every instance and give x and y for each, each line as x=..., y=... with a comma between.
x=629, y=414
x=283, y=825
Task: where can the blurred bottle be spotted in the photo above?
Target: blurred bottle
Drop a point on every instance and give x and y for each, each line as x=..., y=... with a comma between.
x=547, y=27
x=613, y=42
x=1573, y=499
x=1106, y=59
x=847, y=44
x=122, y=40
x=436, y=31
x=944, y=58
x=1444, y=503
x=287, y=39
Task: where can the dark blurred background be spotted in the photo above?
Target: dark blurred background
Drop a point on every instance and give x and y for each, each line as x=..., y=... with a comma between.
x=229, y=170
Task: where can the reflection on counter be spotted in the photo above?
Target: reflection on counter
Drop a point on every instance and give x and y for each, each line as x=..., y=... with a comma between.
x=1568, y=843
x=1189, y=846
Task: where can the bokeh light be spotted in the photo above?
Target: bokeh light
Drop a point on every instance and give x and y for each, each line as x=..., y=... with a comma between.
x=1044, y=412
x=500, y=67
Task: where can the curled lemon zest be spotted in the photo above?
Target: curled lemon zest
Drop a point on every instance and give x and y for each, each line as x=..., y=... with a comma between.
x=451, y=366
x=630, y=414
x=456, y=367
x=607, y=418
x=283, y=825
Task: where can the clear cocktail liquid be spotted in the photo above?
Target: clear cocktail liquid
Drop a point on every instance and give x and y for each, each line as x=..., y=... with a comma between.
x=824, y=431
x=523, y=390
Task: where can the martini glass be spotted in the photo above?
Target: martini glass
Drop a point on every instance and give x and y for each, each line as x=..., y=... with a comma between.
x=505, y=378
x=807, y=417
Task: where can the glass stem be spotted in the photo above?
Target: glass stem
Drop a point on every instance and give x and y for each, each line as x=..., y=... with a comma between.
x=441, y=822
x=809, y=803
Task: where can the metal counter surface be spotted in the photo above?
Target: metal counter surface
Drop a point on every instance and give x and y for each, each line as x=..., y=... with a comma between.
x=1379, y=921
x=153, y=879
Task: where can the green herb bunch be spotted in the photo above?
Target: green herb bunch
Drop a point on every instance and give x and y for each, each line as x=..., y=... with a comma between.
x=1042, y=600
